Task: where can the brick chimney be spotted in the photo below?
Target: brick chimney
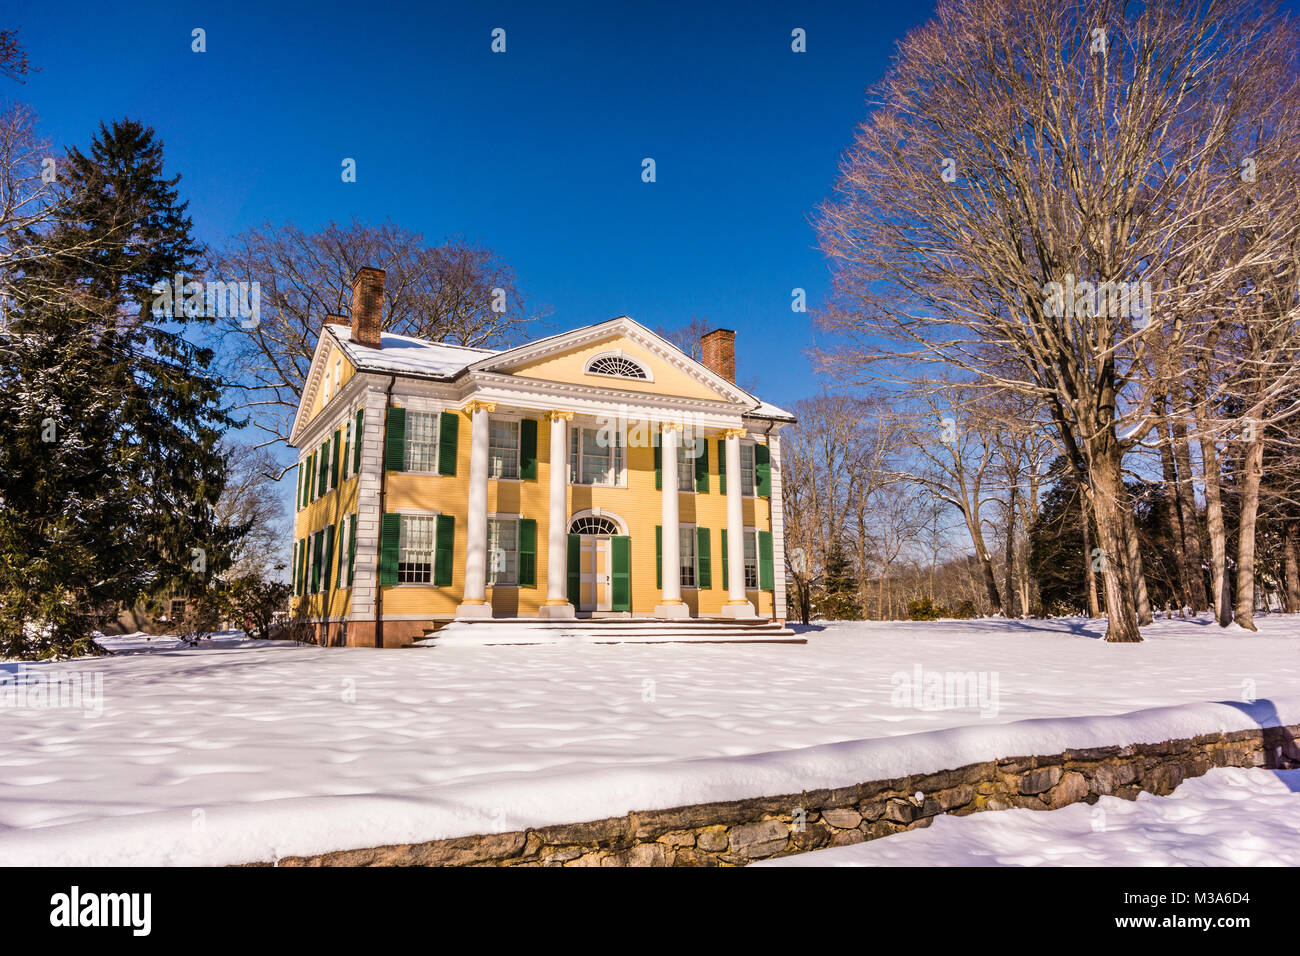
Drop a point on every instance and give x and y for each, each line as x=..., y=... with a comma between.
x=719, y=349
x=332, y=319
x=367, y=306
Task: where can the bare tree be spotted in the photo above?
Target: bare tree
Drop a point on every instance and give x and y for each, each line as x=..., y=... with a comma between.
x=455, y=292
x=250, y=500
x=1025, y=162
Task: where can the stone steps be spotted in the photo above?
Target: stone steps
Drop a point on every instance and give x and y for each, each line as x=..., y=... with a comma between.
x=608, y=631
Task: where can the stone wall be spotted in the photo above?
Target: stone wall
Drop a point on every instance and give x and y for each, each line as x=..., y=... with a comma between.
x=741, y=831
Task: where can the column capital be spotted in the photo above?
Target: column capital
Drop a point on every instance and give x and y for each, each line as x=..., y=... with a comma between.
x=672, y=427
x=554, y=414
x=735, y=432
x=476, y=405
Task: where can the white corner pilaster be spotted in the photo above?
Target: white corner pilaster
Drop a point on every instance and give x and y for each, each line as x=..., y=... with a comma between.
x=474, y=601
x=557, y=541
x=737, y=606
x=671, y=604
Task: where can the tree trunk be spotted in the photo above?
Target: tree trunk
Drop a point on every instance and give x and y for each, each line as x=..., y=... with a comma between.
x=1009, y=572
x=1252, y=468
x=1172, y=512
x=986, y=562
x=1214, y=519
x=1089, y=572
x=1192, y=554
x=1291, y=558
x=1109, y=506
x=1143, y=603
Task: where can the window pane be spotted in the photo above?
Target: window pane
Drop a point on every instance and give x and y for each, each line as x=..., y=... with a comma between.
x=686, y=469
x=746, y=469
x=503, y=551
x=595, y=457
x=503, y=449
x=751, y=560
x=687, y=538
x=421, y=452
x=415, y=550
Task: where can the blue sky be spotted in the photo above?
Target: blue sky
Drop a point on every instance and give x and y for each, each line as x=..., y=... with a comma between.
x=536, y=152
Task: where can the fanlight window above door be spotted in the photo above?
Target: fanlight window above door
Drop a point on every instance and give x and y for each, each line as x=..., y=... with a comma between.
x=617, y=366
x=592, y=524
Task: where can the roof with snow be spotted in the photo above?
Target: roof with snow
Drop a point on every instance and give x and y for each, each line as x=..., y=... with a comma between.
x=406, y=355
x=420, y=358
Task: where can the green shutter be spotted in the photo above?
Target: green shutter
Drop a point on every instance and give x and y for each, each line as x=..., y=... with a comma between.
x=702, y=466
x=356, y=442
x=763, y=471
x=317, y=548
x=311, y=478
x=575, y=568
x=302, y=565
x=528, y=449
x=765, y=571
x=395, y=440
x=293, y=571
x=448, y=431
x=334, y=466
x=722, y=472
x=621, y=571
x=444, y=550
x=703, y=558
x=327, y=560
x=324, y=466
x=726, y=560
x=352, y=549
x=659, y=557
x=389, y=537
x=346, y=461
x=528, y=549
x=659, y=464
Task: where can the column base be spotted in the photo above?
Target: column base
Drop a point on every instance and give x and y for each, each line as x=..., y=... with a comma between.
x=467, y=610
x=742, y=610
x=673, y=611
x=557, y=611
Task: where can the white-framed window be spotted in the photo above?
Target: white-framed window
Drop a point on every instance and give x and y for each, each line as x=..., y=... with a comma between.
x=503, y=552
x=748, y=476
x=420, y=452
x=690, y=577
x=595, y=457
x=415, y=544
x=345, y=466
x=617, y=365
x=347, y=528
x=751, y=559
x=686, y=455
x=338, y=372
x=503, y=448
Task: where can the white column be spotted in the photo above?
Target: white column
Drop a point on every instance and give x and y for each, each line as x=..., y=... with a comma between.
x=557, y=540
x=671, y=544
x=474, y=602
x=737, y=604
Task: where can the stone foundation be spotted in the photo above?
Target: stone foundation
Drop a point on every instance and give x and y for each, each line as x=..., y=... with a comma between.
x=738, y=832
x=358, y=633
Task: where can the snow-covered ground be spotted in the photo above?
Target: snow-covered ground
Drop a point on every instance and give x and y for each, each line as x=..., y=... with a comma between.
x=244, y=750
x=1229, y=817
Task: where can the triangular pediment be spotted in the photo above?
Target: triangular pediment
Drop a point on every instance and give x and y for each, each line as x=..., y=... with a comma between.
x=320, y=386
x=648, y=362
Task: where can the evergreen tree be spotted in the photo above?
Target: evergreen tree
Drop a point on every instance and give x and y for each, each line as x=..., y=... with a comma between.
x=109, y=415
x=837, y=598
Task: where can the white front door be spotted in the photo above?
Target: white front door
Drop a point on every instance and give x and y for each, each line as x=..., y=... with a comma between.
x=597, y=590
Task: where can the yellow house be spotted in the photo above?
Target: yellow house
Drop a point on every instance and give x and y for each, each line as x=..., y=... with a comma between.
x=438, y=482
